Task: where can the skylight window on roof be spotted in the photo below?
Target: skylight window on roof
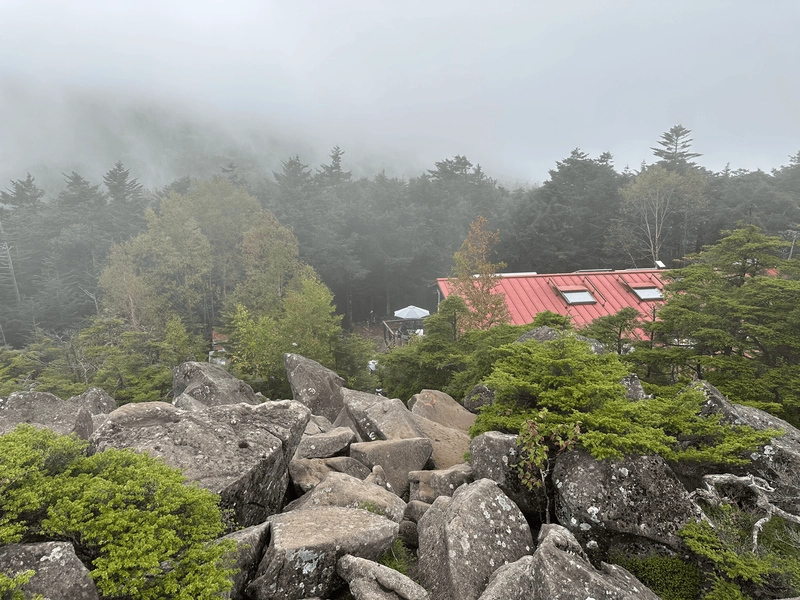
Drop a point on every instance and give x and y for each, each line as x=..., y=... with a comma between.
x=648, y=293
x=578, y=297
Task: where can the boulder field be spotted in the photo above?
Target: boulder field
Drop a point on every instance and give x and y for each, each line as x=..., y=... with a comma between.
x=323, y=485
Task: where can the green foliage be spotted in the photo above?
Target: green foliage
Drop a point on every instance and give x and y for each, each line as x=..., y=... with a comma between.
x=548, y=318
x=670, y=577
x=774, y=566
x=9, y=586
x=725, y=590
x=443, y=361
x=731, y=320
x=577, y=386
x=540, y=441
x=614, y=331
x=142, y=530
x=305, y=324
x=398, y=557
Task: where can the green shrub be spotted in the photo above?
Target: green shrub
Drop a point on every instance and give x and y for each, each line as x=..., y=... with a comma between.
x=398, y=557
x=670, y=577
x=143, y=532
x=774, y=568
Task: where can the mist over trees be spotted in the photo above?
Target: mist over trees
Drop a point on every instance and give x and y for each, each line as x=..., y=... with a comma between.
x=113, y=258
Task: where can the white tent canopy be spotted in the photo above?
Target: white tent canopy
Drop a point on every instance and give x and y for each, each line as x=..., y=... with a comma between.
x=411, y=312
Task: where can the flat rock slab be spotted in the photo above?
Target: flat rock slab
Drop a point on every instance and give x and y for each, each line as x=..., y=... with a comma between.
x=641, y=496
x=440, y=408
x=494, y=455
x=326, y=444
x=397, y=457
x=240, y=451
x=560, y=570
x=59, y=574
x=338, y=489
x=426, y=486
x=319, y=388
x=464, y=539
x=196, y=385
x=306, y=473
x=369, y=580
x=306, y=546
x=47, y=411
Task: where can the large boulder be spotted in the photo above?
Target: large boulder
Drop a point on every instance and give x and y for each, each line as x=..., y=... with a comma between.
x=397, y=457
x=198, y=385
x=426, y=486
x=464, y=539
x=59, y=574
x=777, y=462
x=369, y=580
x=45, y=410
x=319, y=388
x=240, y=451
x=97, y=402
x=560, y=570
x=440, y=408
x=246, y=556
x=598, y=500
x=326, y=444
x=548, y=334
x=338, y=489
x=478, y=396
x=378, y=418
x=449, y=445
x=306, y=545
x=306, y=473
x=494, y=455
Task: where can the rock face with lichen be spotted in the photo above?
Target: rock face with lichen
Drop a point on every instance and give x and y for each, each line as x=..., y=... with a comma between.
x=464, y=539
x=239, y=451
x=638, y=496
x=59, y=574
x=300, y=561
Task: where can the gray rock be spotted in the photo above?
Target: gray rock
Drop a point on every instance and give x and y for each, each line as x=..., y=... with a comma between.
x=307, y=544
x=318, y=424
x=319, y=388
x=96, y=401
x=345, y=420
x=59, y=574
x=429, y=485
x=778, y=462
x=372, y=581
x=494, y=455
x=464, y=539
x=478, y=396
x=397, y=457
x=200, y=384
x=449, y=445
x=338, y=489
x=598, y=500
x=326, y=444
x=378, y=477
x=45, y=410
x=240, y=451
x=548, y=334
x=633, y=387
x=379, y=418
x=408, y=533
x=415, y=509
x=250, y=544
x=306, y=473
x=560, y=570
x=441, y=408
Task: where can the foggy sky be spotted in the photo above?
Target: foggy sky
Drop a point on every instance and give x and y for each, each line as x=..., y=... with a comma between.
x=513, y=85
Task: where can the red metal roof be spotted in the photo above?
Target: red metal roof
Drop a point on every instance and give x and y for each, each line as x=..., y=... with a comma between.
x=528, y=294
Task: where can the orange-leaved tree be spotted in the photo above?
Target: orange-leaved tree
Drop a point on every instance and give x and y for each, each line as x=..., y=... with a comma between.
x=475, y=277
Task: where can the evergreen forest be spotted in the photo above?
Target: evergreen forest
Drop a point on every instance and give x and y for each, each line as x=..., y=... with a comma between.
x=110, y=284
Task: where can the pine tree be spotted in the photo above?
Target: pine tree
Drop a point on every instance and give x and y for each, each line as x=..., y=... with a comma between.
x=675, y=145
